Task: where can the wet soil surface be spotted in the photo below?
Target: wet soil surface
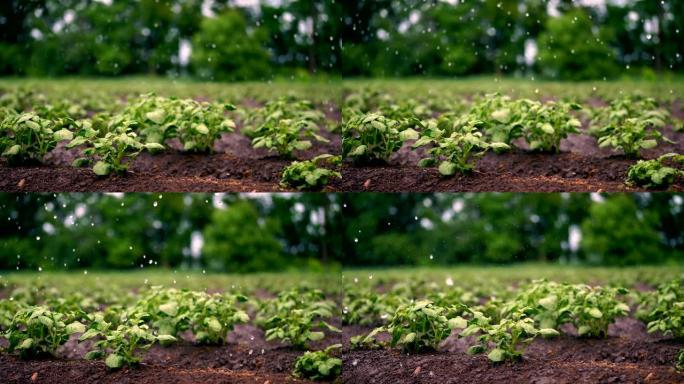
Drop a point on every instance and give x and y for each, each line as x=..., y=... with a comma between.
x=581, y=166
x=246, y=358
x=628, y=355
x=233, y=167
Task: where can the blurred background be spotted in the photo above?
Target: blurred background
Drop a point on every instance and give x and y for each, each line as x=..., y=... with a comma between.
x=211, y=232
x=231, y=40
x=501, y=228
x=310, y=231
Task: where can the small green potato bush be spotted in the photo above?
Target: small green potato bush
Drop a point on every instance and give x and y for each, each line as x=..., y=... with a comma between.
x=319, y=365
x=37, y=331
x=26, y=137
x=373, y=137
x=308, y=175
x=508, y=336
x=656, y=173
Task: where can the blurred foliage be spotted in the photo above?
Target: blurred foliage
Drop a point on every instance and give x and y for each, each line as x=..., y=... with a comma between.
x=415, y=229
x=571, y=49
x=75, y=231
x=266, y=232
x=353, y=38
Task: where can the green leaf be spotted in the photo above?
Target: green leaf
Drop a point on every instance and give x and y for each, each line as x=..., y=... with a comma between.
x=201, y=128
x=315, y=336
x=101, y=168
x=63, y=134
x=501, y=115
x=92, y=355
x=156, y=116
x=12, y=151
x=26, y=344
x=89, y=334
x=547, y=128
x=496, y=355
x=648, y=144
x=447, y=168
x=166, y=340
x=154, y=146
x=595, y=312
x=409, y=338
x=78, y=140
x=408, y=134
x=548, y=332
x=114, y=361
x=213, y=324
x=302, y=145
x=75, y=327
x=170, y=308
x=583, y=330
x=358, y=151
x=458, y=322
x=549, y=302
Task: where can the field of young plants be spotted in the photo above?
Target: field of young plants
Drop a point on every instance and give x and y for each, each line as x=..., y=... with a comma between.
x=523, y=324
x=512, y=135
x=157, y=327
x=434, y=135
x=531, y=323
x=160, y=135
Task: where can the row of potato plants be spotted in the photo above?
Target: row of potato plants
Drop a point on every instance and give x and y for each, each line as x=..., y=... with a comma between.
x=111, y=139
x=375, y=126
x=418, y=319
x=121, y=331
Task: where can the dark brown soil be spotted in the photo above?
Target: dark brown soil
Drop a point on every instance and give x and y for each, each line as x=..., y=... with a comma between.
x=581, y=166
x=629, y=355
x=247, y=358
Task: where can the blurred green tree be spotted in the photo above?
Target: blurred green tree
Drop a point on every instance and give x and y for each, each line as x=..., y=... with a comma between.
x=573, y=48
x=225, y=49
x=238, y=240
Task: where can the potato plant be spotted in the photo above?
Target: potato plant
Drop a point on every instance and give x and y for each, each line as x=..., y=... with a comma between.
x=656, y=173
x=457, y=152
x=631, y=135
x=420, y=326
x=26, y=137
x=545, y=125
x=593, y=309
x=309, y=174
x=508, y=337
x=196, y=124
x=286, y=136
x=663, y=310
x=37, y=331
x=372, y=137
x=113, y=151
x=172, y=312
x=122, y=345
x=296, y=317
x=319, y=365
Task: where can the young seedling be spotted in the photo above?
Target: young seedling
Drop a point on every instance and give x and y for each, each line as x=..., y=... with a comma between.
x=319, y=365
x=307, y=174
